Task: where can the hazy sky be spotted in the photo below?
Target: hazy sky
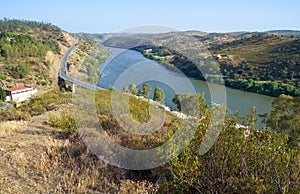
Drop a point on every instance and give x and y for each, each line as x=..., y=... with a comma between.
x=114, y=15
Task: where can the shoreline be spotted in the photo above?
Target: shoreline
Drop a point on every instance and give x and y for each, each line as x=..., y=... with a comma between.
x=231, y=83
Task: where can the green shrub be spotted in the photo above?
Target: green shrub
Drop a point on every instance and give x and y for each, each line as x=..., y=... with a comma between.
x=261, y=162
x=43, y=83
x=2, y=77
x=65, y=122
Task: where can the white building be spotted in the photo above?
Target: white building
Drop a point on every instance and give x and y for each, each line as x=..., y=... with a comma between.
x=20, y=93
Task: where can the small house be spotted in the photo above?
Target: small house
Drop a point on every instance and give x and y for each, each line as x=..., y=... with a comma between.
x=20, y=93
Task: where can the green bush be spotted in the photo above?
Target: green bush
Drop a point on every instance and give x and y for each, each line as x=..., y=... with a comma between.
x=2, y=77
x=65, y=122
x=260, y=162
x=43, y=83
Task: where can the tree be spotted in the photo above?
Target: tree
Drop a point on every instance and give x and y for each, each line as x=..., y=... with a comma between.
x=285, y=116
x=21, y=71
x=132, y=89
x=125, y=89
x=2, y=94
x=188, y=103
x=159, y=95
x=145, y=90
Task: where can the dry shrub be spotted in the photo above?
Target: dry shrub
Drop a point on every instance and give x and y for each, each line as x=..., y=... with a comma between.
x=71, y=168
x=11, y=115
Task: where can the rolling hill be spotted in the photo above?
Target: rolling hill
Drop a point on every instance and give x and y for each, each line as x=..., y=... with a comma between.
x=261, y=62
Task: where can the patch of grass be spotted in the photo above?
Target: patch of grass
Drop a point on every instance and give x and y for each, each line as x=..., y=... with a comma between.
x=43, y=83
x=38, y=104
x=137, y=116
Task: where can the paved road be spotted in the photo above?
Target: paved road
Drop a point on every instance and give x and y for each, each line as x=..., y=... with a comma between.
x=63, y=73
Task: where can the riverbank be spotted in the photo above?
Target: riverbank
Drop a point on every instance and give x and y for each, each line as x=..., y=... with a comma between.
x=175, y=61
x=121, y=60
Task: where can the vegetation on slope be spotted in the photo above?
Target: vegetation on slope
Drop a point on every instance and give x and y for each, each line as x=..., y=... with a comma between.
x=85, y=59
x=261, y=162
x=241, y=160
x=280, y=61
x=265, y=64
x=30, y=52
x=44, y=32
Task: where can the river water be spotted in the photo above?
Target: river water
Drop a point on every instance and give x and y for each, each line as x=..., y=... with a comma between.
x=125, y=67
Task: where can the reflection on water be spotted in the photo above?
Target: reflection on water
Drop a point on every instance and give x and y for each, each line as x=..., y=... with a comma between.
x=127, y=66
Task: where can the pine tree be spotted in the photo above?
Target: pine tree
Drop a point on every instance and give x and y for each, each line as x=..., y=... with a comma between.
x=132, y=89
x=145, y=90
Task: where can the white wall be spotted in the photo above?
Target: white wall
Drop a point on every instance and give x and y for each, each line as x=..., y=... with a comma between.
x=23, y=95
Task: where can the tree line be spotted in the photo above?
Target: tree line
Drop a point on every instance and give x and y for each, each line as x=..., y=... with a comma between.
x=145, y=91
x=46, y=33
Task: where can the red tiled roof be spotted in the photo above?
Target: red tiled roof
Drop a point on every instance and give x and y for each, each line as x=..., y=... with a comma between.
x=17, y=88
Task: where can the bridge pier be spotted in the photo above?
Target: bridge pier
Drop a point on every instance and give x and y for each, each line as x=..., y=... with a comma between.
x=73, y=88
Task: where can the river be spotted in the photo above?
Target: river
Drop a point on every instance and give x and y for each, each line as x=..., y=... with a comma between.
x=124, y=67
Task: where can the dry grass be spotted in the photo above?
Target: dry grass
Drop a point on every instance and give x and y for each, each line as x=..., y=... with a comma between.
x=129, y=187
x=36, y=156
x=70, y=168
x=38, y=160
x=9, y=127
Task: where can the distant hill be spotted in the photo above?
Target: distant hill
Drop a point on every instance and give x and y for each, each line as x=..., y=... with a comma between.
x=270, y=59
x=290, y=33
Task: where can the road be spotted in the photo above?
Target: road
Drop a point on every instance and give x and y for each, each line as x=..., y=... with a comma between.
x=63, y=73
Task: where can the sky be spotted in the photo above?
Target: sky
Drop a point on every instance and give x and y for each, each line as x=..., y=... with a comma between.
x=104, y=16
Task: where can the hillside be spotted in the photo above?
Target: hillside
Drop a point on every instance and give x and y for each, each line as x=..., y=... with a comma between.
x=263, y=63
x=267, y=55
x=31, y=52
x=42, y=151
x=83, y=62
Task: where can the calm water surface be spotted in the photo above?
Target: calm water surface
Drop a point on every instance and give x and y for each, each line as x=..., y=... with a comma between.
x=124, y=67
